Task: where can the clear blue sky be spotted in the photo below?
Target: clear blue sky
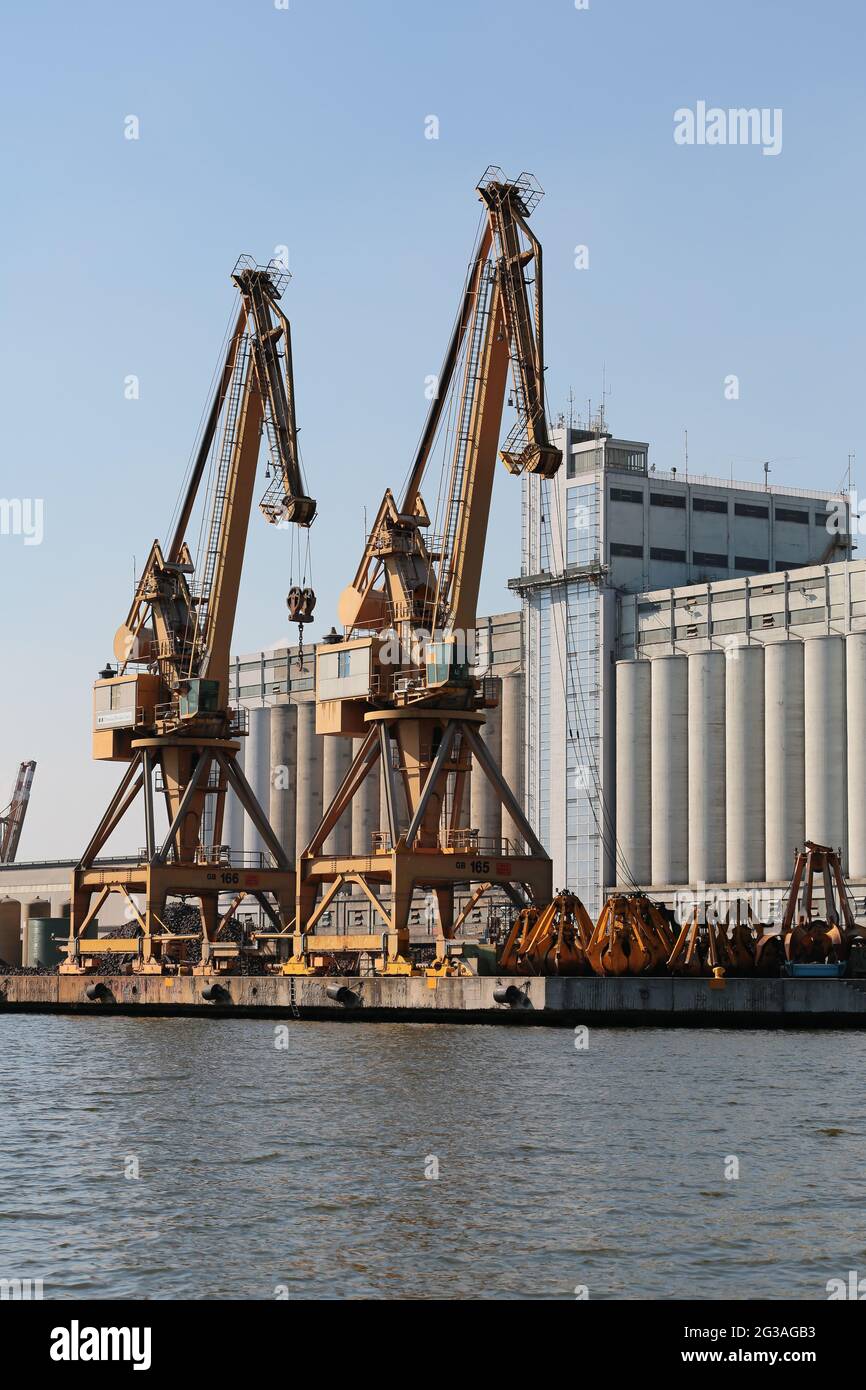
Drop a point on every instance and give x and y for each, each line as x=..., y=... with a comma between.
x=260, y=127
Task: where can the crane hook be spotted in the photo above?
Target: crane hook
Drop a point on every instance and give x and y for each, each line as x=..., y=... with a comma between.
x=300, y=603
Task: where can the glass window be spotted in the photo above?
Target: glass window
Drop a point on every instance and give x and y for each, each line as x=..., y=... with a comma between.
x=634, y=552
x=630, y=460
x=626, y=494
x=583, y=524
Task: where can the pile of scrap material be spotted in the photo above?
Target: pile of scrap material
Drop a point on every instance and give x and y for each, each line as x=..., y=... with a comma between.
x=7, y=969
x=551, y=940
x=631, y=937
x=184, y=920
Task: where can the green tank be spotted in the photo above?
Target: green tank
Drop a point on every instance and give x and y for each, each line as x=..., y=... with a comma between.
x=42, y=949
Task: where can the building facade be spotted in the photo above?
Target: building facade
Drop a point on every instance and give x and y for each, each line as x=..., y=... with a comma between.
x=742, y=705
x=607, y=526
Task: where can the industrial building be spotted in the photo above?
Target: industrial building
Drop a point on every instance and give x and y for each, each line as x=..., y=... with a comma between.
x=608, y=526
x=661, y=615
x=741, y=728
x=600, y=542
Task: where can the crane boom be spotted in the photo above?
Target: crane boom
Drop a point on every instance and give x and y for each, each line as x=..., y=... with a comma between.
x=499, y=326
x=12, y=819
x=185, y=629
x=528, y=447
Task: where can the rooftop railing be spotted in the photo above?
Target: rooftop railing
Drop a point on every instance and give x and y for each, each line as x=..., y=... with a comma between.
x=705, y=480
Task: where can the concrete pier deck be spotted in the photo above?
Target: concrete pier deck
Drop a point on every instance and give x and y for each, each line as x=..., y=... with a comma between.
x=550, y=1002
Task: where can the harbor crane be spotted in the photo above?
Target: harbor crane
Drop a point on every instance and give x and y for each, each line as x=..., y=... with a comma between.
x=164, y=710
x=400, y=678
x=12, y=819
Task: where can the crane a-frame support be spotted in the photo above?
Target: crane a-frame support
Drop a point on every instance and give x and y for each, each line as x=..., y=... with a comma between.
x=410, y=862
x=162, y=872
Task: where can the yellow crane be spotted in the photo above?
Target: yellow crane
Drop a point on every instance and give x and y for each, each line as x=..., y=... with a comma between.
x=401, y=677
x=164, y=711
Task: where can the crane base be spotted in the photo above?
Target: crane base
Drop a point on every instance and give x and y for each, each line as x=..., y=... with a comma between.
x=155, y=949
x=427, y=855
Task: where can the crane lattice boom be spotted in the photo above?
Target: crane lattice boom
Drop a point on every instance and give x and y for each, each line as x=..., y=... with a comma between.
x=12, y=819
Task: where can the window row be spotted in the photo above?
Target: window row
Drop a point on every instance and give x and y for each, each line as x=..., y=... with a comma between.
x=702, y=559
x=676, y=501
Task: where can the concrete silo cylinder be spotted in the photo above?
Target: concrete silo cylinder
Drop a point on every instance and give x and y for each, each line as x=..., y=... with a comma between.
x=670, y=769
x=633, y=771
x=826, y=782
x=707, y=846
x=283, y=790
x=309, y=790
x=855, y=648
x=234, y=815
x=744, y=764
x=257, y=769
x=784, y=736
x=336, y=759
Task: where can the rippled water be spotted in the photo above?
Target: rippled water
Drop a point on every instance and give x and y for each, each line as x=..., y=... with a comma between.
x=305, y=1167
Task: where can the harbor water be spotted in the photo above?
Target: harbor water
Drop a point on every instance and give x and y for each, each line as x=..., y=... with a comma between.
x=158, y=1158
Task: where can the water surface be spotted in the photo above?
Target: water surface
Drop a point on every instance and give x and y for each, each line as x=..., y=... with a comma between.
x=300, y=1170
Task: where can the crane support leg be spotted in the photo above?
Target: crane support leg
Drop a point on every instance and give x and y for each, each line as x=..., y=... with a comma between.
x=430, y=856
x=169, y=870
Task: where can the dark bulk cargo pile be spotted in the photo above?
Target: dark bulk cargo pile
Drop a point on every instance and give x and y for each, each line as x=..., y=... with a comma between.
x=7, y=969
x=185, y=920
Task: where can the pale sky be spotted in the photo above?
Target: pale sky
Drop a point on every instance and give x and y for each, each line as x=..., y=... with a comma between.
x=305, y=127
